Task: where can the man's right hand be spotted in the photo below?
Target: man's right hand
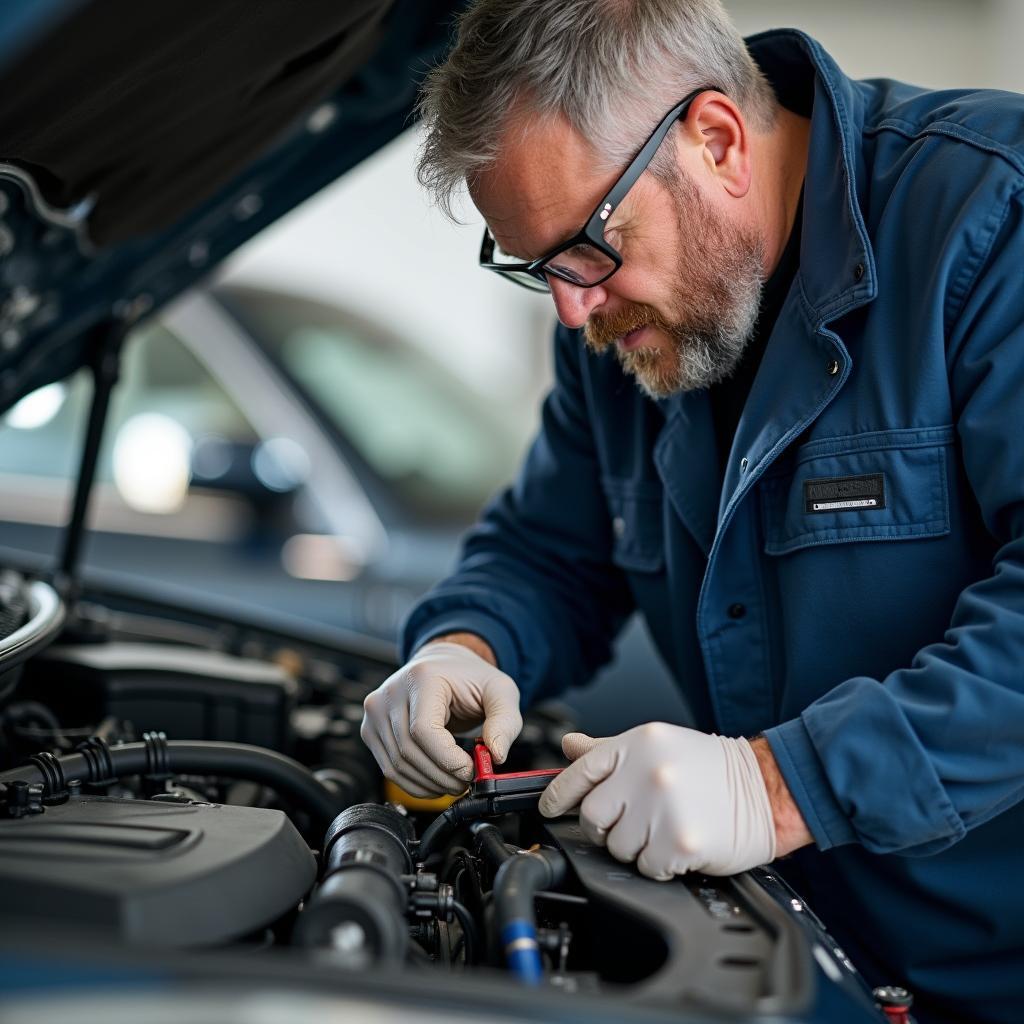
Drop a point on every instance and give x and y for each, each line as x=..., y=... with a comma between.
x=409, y=719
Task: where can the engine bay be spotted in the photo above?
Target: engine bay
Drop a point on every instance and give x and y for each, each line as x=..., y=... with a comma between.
x=171, y=784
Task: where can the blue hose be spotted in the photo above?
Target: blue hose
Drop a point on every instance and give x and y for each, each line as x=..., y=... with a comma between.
x=519, y=942
x=518, y=880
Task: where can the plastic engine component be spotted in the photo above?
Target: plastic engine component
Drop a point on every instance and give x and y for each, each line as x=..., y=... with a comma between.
x=151, y=873
x=181, y=691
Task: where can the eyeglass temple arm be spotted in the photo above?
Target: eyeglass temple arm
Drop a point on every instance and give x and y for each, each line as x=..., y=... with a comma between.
x=640, y=162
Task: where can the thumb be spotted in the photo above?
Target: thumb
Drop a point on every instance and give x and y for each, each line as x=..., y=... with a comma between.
x=502, y=720
x=576, y=744
x=569, y=788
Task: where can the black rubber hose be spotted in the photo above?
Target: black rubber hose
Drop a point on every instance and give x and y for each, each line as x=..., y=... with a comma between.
x=518, y=880
x=445, y=824
x=362, y=898
x=471, y=938
x=230, y=760
x=491, y=843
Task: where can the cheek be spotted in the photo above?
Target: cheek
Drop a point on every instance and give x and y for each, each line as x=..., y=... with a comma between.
x=650, y=267
x=651, y=282
x=643, y=270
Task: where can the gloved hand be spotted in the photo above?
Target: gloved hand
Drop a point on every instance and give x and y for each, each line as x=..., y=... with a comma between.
x=409, y=719
x=673, y=799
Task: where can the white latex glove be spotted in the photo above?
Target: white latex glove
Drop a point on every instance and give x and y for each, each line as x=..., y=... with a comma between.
x=672, y=799
x=409, y=719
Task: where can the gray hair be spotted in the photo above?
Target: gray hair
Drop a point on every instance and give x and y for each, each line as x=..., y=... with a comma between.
x=612, y=68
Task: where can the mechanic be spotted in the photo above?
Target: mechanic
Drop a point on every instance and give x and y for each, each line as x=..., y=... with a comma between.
x=786, y=427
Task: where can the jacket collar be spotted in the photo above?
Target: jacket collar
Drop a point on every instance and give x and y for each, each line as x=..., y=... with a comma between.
x=836, y=274
x=837, y=264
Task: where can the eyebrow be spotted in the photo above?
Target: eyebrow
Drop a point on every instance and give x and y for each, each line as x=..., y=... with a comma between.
x=530, y=259
x=517, y=255
x=562, y=240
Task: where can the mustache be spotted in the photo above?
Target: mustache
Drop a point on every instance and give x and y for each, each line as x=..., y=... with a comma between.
x=601, y=332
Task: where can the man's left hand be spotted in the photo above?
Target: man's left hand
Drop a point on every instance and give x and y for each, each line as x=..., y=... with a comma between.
x=673, y=799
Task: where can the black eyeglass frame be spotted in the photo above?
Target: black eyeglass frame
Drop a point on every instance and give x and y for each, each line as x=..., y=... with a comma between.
x=592, y=233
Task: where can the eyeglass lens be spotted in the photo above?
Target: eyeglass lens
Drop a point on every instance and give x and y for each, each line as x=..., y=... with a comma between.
x=582, y=265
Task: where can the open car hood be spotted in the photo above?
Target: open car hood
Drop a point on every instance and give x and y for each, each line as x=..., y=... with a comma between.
x=141, y=143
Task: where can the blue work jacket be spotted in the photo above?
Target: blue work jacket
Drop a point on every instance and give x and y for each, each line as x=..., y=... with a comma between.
x=854, y=587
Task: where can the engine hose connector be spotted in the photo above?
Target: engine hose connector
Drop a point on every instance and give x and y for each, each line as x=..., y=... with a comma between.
x=55, y=786
x=99, y=764
x=158, y=766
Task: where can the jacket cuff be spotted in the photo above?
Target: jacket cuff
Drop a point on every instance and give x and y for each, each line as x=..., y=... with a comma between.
x=802, y=769
x=418, y=632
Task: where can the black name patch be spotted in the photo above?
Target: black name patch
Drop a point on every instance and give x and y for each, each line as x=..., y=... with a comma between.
x=845, y=493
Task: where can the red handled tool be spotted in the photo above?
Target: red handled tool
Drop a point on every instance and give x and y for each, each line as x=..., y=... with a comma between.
x=488, y=782
x=490, y=794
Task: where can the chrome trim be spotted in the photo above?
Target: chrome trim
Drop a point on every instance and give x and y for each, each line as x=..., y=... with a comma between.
x=522, y=943
x=47, y=611
x=73, y=219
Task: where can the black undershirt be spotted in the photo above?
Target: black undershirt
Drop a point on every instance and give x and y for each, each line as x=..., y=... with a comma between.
x=729, y=396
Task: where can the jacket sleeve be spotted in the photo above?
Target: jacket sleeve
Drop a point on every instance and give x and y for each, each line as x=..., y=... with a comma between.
x=535, y=578
x=910, y=765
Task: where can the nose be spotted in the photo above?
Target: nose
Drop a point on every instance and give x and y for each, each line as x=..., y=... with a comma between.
x=574, y=304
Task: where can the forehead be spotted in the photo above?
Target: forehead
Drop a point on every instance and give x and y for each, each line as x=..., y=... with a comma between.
x=546, y=181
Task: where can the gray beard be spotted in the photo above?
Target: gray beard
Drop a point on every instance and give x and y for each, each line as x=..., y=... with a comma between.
x=705, y=357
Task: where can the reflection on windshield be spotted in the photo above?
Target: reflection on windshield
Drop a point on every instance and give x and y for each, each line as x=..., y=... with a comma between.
x=415, y=426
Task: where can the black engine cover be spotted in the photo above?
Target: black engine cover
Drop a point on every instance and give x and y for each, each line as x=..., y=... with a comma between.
x=158, y=874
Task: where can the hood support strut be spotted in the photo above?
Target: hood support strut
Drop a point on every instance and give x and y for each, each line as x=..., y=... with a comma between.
x=105, y=365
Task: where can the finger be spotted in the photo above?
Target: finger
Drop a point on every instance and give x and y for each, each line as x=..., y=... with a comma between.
x=576, y=744
x=567, y=789
x=415, y=761
x=377, y=733
x=428, y=717
x=375, y=730
x=600, y=810
x=502, y=720
x=627, y=839
x=375, y=742
x=649, y=863
x=398, y=770
x=411, y=787
x=368, y=734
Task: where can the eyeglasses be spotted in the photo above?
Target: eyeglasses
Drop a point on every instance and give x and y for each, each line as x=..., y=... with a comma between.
x=586, y=259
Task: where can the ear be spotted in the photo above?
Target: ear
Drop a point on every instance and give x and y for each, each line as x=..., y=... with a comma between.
x=717, y=135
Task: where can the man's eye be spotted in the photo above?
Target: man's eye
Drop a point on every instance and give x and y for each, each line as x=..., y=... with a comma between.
x=565, y=272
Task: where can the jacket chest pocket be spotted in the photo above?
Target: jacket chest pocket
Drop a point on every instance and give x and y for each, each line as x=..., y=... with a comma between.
x=883, y=485
x=637, y=529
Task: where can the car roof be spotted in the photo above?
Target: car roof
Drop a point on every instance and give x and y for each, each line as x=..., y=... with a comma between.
x=141, y=146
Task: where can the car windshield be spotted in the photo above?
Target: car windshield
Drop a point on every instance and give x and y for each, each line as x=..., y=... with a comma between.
x=430, y=438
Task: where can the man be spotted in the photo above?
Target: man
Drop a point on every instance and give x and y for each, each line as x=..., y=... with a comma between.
x=786, y=428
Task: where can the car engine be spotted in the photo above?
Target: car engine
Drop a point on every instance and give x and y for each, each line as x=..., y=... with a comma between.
x=178, y=784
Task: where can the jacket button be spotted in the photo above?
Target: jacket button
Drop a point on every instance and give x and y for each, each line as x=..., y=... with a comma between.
x=737, y=611
x=618, y=526
x=833, y=367
x=858, y=271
